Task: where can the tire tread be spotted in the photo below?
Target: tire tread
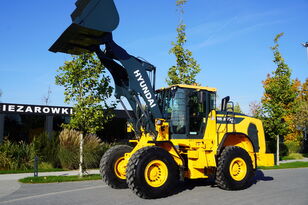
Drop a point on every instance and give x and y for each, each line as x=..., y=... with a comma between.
x=104, y=167
x=222, y=180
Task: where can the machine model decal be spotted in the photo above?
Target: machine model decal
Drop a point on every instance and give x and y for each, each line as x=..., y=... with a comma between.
x=229, y=120
x=144, y=88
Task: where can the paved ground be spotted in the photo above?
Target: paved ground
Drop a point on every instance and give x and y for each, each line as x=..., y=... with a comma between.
x=62, y=173
x=295, y=160
x=9, y=182
x=288, y=186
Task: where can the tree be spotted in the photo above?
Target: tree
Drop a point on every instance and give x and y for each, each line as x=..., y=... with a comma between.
x=278, y=102
x=301, y=116
x=255, y=109
x=186, y=68
x=87, y=87
x=294, y=134
x=237, y=108
x=303, y=95
x=46, y=98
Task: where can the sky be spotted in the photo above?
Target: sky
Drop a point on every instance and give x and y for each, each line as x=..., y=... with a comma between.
x=230, y=39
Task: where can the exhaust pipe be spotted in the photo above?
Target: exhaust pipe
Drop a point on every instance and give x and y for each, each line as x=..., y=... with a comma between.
x=91, y=20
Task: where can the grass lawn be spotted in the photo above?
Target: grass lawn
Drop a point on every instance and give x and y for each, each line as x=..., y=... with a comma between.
x=287, y=165
x=57, y=179
x=30, y=171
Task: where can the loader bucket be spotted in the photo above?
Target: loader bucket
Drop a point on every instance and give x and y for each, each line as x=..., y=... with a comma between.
x=90, y=21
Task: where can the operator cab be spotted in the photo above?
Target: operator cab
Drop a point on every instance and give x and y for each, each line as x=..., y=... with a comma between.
x=186, y=108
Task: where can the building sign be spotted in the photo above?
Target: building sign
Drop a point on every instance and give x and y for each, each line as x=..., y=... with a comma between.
x=34, y=109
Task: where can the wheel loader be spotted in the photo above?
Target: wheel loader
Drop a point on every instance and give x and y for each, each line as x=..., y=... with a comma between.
x=180, y=133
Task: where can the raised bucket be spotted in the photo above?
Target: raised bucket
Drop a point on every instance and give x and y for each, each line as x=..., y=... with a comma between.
x=90, y=21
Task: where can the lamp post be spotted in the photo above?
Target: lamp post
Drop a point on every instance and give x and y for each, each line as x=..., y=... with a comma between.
x=306, y=46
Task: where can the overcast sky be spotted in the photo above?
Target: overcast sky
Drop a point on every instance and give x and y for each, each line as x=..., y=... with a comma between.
x=230, y=39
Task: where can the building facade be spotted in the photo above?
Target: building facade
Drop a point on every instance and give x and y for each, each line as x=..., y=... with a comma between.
x=21, y=122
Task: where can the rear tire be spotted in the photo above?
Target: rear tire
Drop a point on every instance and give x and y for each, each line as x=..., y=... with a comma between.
x=112, y=168
x=152, y=173
x=234, y=169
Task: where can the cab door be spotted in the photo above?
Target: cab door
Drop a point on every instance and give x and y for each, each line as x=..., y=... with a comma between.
x=197, y=114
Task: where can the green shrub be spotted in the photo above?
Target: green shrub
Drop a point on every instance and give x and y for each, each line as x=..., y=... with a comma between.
x=293, y=156
x=92, y=151
x=20, y=156
x=68, y=154
x=69, y=149
x=45, y=165
x=69, y=157
x=5, y=161
x=293, y=147
x=16, y=156
x=46, y=148
x=283, y=149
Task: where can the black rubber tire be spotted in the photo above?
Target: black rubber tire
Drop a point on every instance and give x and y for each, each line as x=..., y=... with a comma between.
x=224, y=179
x=135, y=173
x=107, y=166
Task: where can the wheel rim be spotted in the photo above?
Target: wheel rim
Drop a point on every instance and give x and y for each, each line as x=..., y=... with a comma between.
x=120, y=168
x=156, y=173
x=238, y=169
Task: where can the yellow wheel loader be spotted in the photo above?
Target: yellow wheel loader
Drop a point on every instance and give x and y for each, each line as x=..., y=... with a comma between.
x=179, y=132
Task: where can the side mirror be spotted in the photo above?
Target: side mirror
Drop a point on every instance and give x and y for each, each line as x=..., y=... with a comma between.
x=224, y=103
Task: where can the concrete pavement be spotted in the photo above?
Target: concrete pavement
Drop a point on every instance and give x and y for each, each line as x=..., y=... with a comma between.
x=8, y=186
x=283, y=187
x=294, y=160
x=6, y=177
x=9, y=182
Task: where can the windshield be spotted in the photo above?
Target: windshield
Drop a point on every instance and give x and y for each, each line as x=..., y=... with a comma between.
x=167, y=99
x=173, y=105
x=186, y=110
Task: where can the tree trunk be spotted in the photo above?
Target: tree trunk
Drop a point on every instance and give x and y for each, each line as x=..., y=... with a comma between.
x=277, y=152
x=81, y=156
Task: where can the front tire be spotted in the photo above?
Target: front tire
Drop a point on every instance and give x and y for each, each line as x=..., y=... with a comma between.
x=234, y=169
x=152, y=173
x=113, y=167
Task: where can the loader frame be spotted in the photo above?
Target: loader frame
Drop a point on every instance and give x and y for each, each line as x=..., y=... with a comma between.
x=180, y=134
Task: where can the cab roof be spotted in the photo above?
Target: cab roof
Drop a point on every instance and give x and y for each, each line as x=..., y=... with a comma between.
x=195, y=87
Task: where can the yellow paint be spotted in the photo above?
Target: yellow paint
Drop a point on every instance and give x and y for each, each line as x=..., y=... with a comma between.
x=191, y=87
x=201, y=154
x=264, y=159
x=120, y=168
x=196, y=164
x=173, y=152
x=240, y=141
x=238, y=169
x=156, y=173
x=162, y=130
x=129, y=128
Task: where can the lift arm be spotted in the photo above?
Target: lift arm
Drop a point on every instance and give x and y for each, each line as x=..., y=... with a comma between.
x=92, y=26
x=131, y=80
